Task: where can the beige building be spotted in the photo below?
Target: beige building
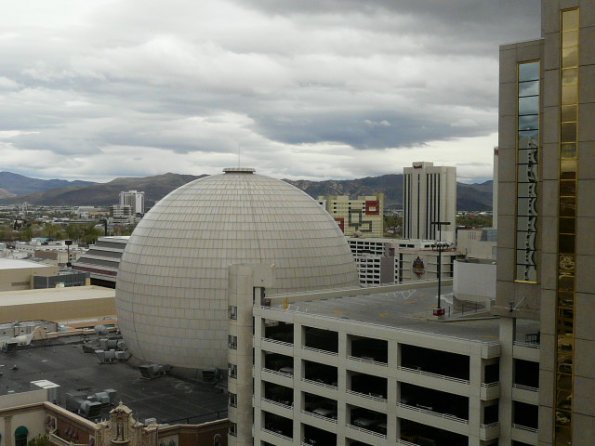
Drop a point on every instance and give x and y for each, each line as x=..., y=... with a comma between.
x=80, y=303
x=18, y=274
x=29, y=415
x=362, y=216
x=546, y=242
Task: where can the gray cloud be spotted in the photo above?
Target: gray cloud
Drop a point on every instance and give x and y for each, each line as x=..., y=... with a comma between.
x=284, y=80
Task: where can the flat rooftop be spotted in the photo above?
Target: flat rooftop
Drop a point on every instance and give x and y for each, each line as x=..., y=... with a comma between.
x=167, y=398
x=409, y=309
x=55, y=295
x=20, y=264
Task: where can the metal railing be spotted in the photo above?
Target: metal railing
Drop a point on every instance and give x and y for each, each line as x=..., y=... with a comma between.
x=434, y=375
x=525, y=428
x=369, y=396
x=322, y=417
x=367, y=360
x=433, y=413
x=276, y=341
x=278, y=373
x=524, y=387
x=367, y=431
x=318, y=383
x=319, y=350
x=406, y=443
x=277, y=403
x=277, y=434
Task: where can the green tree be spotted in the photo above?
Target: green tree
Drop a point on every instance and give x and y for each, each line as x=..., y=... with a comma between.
x=393, y=225
x=53, y=231
x=89, y=233
x=474, y=220
x=73, y=232
x=40, y=440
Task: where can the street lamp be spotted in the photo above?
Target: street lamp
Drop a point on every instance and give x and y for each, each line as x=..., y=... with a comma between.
x=68, y=243
x=439, y=311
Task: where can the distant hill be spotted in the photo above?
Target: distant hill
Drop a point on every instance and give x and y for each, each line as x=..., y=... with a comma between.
x=470, y=197
x=16, y=184
x=105, y=194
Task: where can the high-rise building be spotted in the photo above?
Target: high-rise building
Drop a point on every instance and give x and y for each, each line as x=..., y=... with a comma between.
x=134, y=199
x=546, y=209
x=362, y=216
x=429, y=196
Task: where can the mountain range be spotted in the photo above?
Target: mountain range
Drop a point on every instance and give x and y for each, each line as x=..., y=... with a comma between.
x=17, y=189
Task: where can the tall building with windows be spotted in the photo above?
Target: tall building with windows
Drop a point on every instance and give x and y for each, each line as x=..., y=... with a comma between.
x=134, y=199
x=546, y=219
x=429, y=196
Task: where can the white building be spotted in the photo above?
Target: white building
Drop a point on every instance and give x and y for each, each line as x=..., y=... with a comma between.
x=429, y=195
x=386, y=261
x=134, y=199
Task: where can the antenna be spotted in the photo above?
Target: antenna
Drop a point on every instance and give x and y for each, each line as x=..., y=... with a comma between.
x=239, y=155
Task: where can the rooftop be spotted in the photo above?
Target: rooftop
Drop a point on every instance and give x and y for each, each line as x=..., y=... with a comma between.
x=20, y=264
x=404, y=307
x=52, y=295
x=167, y=398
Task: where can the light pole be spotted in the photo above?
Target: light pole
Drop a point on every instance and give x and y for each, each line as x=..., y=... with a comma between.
x=68, y=243
x=439, y=311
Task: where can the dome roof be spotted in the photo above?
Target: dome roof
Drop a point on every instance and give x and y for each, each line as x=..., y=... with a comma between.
x=172, y=280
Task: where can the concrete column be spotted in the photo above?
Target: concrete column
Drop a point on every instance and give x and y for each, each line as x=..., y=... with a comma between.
x=8, y=430
x=507, y=334
x=246, y=287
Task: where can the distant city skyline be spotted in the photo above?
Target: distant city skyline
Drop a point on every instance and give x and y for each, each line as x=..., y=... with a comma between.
x=310, y=90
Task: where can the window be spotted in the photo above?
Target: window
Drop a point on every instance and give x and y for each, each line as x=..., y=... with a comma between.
x=233, y=312
x=526, y=170
x=233, y=429
x=232, y=342
x=20, y=436
x=232, y=370
x=233, y=400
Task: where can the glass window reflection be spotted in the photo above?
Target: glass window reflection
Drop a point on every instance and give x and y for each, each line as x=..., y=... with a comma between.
x=528, y=88
x=528, y=71
x=529, y=105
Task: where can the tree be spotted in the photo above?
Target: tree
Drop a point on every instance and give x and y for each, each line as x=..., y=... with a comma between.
x=40, y=440
x=89, y=233
x=73, y=232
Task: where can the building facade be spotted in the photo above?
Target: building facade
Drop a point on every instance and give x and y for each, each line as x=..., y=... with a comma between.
x=386, y=261
x=134, y=199
x=362, y=216
x=546, y=209
x=429, y=196
x=30, y=415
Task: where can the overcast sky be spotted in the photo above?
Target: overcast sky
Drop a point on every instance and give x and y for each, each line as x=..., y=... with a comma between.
x=312, y=89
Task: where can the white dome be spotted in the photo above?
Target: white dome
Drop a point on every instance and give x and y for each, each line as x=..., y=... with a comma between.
x=172, y=281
